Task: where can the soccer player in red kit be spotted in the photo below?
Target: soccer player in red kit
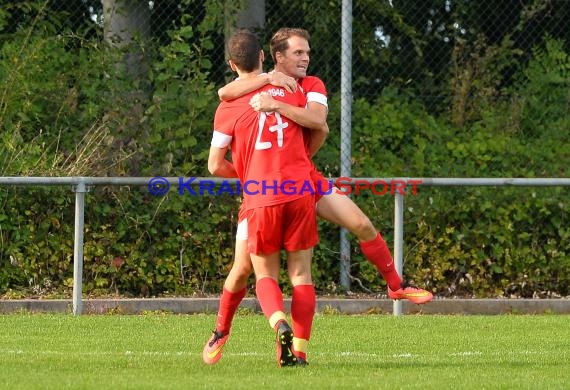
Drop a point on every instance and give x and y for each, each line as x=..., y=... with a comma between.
x=332, y=206
x=268, y=156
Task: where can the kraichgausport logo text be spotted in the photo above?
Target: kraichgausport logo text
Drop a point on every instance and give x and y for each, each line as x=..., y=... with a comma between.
x=160, y=186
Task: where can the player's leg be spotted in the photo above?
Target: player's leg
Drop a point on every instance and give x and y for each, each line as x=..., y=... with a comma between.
x=235, y=287
x=267, y=286
x=300, y=237
x=303, y=301
x=265, y=240
x=270, y=299
x=341, y=210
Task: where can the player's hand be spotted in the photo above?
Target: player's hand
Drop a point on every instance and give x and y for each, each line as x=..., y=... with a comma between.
x=282, y=80
x=263, y=102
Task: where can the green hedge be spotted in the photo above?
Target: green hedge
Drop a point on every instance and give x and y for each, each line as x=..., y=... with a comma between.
x=481, y=242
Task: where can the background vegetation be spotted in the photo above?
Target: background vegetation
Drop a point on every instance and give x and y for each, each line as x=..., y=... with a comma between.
x=478, y=94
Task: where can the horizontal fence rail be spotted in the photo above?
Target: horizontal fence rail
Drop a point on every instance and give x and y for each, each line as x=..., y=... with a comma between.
x=143, y=181
x=80, y=185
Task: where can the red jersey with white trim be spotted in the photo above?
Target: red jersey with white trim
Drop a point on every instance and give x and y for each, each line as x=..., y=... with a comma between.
x=268, y=150
x=315, y=91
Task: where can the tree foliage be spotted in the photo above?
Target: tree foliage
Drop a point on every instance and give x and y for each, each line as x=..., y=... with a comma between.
x=441, y=89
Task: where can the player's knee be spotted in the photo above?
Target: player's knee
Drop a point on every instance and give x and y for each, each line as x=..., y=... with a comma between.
x=240, y=273
x=302, y=279
x=300, y=275
x=363, y=228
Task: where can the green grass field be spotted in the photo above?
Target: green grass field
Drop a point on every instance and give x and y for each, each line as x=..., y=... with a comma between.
x=163, y=351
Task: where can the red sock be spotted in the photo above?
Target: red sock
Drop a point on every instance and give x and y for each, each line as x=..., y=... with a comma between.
x=229, y=302
x=269, y=296
x=377, y=252
x=303, y=305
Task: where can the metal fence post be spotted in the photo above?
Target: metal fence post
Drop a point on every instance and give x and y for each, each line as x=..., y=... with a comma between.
x=80, y=190
x=346, y=128
x=398, y=243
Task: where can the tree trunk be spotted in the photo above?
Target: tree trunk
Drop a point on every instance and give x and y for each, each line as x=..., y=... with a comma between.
x=127, y=27
x=127, y=30
x=253, y=17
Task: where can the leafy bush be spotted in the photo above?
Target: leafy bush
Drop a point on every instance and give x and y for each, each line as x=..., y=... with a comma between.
x=465, y=241
x=458, y=241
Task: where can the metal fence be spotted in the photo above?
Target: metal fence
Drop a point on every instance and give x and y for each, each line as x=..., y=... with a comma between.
x=81, y=185
x=450, y=57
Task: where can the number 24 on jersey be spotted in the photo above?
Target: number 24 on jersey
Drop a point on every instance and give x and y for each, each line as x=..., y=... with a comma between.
x=265, y=118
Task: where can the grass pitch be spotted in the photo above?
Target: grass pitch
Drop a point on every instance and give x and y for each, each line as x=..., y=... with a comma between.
x=163, y=351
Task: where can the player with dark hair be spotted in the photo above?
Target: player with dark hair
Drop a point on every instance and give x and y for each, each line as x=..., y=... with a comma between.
x=268, y=151
x=291, y=58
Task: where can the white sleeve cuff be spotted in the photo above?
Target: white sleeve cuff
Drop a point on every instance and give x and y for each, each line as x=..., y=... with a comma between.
x=221, y=140
x=317, y=97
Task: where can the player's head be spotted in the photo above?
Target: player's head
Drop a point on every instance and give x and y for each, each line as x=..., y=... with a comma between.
x=290, y=50
x=245, y=51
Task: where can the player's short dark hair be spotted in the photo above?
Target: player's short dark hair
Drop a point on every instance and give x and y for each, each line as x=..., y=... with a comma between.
x=243, y=50
x=279, y=42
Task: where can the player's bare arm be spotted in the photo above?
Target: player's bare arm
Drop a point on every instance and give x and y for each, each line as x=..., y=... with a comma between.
x=241, y=86
x=317, y=139
x=313, y=117
x=218, y=165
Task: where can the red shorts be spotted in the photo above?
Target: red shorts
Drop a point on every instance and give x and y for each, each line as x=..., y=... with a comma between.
x=291, y=226
x=322, y=185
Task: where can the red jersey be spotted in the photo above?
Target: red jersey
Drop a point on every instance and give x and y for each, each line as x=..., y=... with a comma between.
x=315, y=90
x=268, y=150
